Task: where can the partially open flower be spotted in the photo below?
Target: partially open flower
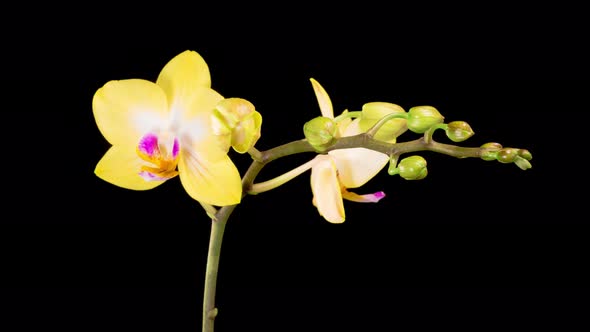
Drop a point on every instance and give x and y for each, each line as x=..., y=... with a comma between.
x=335, y=172
x=237, y=122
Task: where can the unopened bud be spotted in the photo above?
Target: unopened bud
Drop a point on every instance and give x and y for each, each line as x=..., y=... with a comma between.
x=421, y=118
x=524, y=153
x=491, y=151
x=375, y=111
x=413, y=168
x=320, y=132
x=507, y=155
x=522, y=163
x=458, y=131
x=238, y=122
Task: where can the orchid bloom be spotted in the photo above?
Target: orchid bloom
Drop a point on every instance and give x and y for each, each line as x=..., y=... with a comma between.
x=334, y=172
x=156, y=127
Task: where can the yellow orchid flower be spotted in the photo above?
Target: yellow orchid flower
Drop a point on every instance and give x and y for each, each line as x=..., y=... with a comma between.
x=156, y=127
x=333, y=173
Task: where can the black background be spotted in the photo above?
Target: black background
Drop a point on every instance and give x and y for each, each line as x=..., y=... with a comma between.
x=475, y=245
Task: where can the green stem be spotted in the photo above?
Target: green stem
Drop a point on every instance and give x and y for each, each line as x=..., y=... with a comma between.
x=373, y=130
x=218, y=223
x=428, y=133
x=217, y=229
x=347, y=115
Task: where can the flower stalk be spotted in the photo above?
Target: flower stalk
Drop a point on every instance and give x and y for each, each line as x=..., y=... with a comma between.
x=364, y=140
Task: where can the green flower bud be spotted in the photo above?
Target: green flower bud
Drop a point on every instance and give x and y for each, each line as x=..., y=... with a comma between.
x=420, y=118
x=507, y=155
x=458, y=131
x=373, y=112
x=237, y=122
x=491, y=151
x=522, y=163
x=525, y=154
x=413, y=168
x=320, y=132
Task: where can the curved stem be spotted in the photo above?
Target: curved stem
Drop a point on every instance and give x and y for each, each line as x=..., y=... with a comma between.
x=347, y=115
x=373, y=130
x=428, y=133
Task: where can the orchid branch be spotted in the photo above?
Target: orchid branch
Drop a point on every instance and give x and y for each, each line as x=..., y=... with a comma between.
x=364, y=140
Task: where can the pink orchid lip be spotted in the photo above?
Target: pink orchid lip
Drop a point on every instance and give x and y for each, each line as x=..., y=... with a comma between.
x=148, y=145
x=163, y=164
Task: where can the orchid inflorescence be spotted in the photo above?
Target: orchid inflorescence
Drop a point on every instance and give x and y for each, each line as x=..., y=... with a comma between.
x=180, y=126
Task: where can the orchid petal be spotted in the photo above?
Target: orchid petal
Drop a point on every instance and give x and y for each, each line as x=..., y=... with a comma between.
x=125, y=110
x=342, y=126
x=323, y=99
x=181, y=77
x=121, y=166
x=216, y=183
x=199, y=104
x=357, y=166
x=326, y=190
x=352, y=128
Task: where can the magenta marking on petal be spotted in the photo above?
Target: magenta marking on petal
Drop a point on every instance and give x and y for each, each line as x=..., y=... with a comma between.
x=148, y=145
x=175, y=148
x=148, y=176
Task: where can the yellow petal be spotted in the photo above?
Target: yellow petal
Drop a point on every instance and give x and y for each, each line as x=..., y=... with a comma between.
x=120, y=166
x=125, y=110
x=326, y=190
x=200, y=102
x=358, y=165
x=196, y=129
x=323, y=99
x=181, y=76
x=216, y=183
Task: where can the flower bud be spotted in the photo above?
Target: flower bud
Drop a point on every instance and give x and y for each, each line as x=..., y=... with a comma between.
x=375, y=111
x=320, y=132
x=237, y=122
x=458, y=131
x=413, y=168
x=524, y=153
x=420, y=118
x=491, y=151
x=507, y=155
x=522, y=163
